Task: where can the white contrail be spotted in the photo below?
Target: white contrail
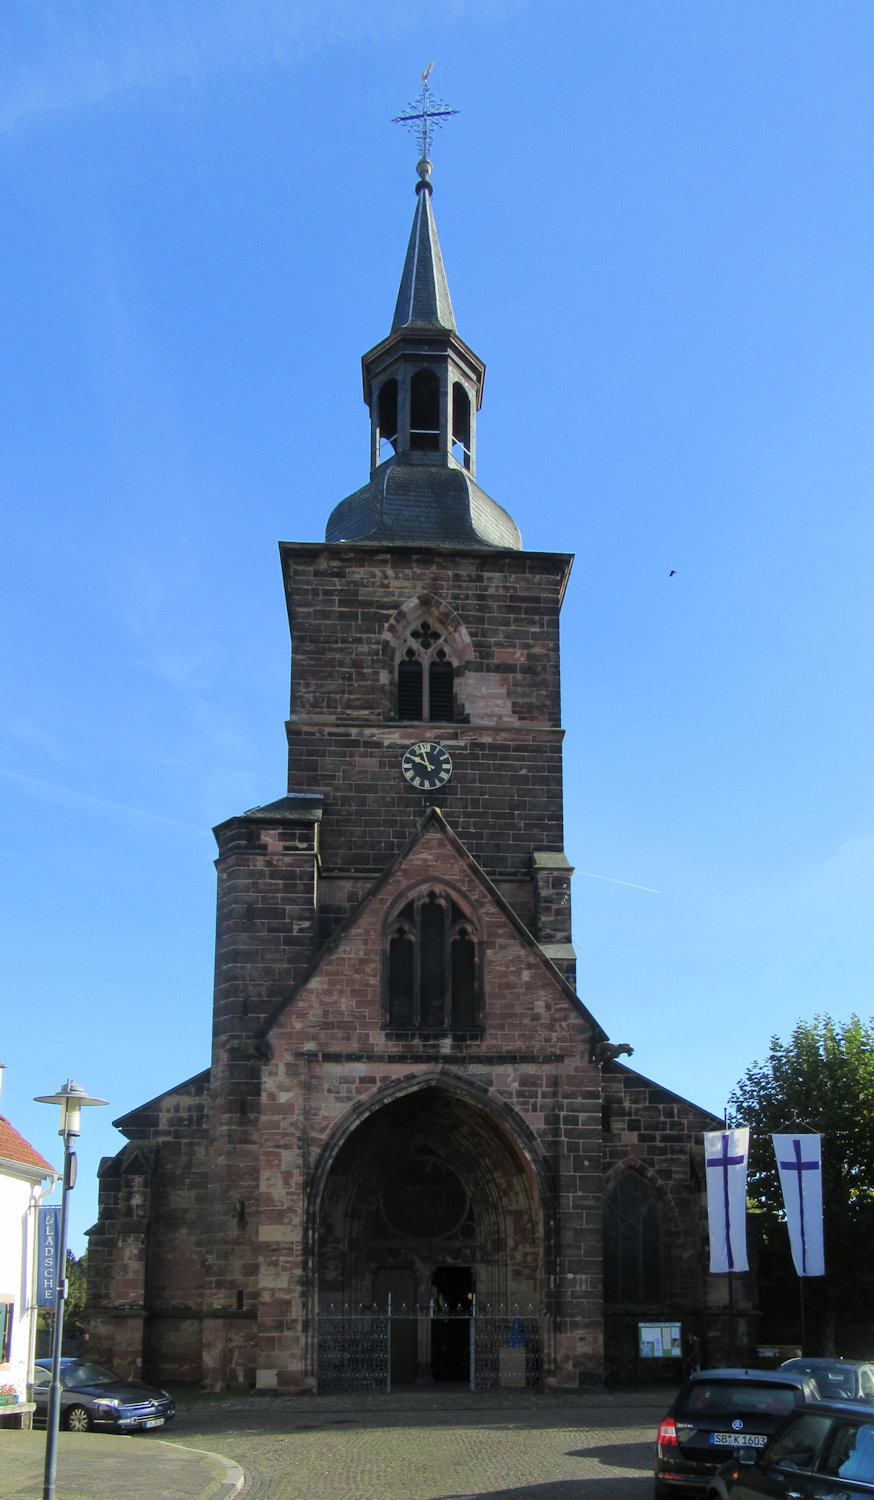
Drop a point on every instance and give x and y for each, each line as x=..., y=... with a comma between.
x=613, y=881
x=74, y=798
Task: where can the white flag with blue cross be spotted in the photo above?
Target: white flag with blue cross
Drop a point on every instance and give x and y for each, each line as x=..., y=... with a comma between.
x=726, y=1153
x=799, y=1162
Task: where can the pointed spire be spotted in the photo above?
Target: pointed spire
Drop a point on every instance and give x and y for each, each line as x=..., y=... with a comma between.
x=423, y=298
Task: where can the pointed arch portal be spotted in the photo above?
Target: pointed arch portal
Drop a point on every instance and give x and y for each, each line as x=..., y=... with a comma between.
x=430, y=1201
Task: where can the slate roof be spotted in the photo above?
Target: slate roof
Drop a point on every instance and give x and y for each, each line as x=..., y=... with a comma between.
x=418, y=504
x=421, y=498
x=13, y=1147
x=423, y=297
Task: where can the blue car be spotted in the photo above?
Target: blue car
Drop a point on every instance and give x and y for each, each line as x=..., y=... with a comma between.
x=92, y=1397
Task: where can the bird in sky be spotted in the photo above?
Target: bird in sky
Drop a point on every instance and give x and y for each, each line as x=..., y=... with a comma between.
x=672, y=573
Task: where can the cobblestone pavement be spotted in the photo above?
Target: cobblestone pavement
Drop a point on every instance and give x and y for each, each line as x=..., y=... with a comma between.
x=439, y=1446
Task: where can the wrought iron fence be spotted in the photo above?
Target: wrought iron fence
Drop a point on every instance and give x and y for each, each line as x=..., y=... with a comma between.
x=353, y=1349
x=362, y=1349
x=507, y=1349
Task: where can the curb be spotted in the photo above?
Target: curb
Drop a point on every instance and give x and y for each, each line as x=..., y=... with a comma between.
x=234, y=1477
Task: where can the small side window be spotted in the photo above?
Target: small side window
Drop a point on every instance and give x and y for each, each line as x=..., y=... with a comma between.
x=851, y=1452
x=387, y=420
x=410, y=684
x=6, y=1309
x=800, y=1442
x=441, y=689
x=461, y=425
x=425, y=412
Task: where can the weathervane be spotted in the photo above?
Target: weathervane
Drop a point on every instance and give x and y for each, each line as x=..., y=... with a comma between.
x=425, y=115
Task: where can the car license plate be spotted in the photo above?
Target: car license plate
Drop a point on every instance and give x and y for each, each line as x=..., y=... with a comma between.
x=738, y=1439
x=154, y=1422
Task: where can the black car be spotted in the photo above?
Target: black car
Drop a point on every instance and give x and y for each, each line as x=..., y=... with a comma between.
x=821, y=1452
x=91, y=1396
x=718, y=1412
x=838, y=1379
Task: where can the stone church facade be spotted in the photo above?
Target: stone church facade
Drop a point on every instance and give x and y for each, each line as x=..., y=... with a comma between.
x=407, y=1100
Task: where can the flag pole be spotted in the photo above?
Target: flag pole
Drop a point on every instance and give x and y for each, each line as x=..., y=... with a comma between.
x=730, y=1289
x=726, y=1153
x=801, y=1303
x=801, y=1183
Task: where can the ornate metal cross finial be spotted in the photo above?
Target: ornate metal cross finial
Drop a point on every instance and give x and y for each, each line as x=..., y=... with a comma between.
x=425, y=115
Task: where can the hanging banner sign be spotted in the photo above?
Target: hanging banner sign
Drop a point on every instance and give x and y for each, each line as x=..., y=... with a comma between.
x=47, y=1230
x=799, y=1162
x=726, y=1153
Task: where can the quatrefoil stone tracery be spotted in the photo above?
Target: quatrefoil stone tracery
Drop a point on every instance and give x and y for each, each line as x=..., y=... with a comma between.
x=425, y=636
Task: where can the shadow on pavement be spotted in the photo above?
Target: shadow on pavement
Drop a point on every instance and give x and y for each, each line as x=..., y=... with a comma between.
x=619, y=1455
x=565, y=1489
x=259, y=1414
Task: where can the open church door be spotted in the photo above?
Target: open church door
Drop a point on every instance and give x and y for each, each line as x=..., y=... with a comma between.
x=452, y=1307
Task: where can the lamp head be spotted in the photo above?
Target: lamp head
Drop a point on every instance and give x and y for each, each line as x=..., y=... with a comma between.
x=72, y=1100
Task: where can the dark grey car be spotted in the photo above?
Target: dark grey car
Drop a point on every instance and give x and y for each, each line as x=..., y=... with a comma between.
x=718, y=1413
x=92, y=1396
x=838, y=1379
x=821, y=1452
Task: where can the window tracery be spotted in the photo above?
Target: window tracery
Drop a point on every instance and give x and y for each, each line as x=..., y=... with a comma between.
x=632, y=1242
x=432, y=967
x=426, y=676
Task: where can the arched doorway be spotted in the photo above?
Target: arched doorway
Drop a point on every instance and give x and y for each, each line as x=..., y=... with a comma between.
x=430, y=1201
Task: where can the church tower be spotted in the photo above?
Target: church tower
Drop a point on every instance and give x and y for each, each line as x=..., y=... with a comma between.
x=408, y=1105
x=421, y=622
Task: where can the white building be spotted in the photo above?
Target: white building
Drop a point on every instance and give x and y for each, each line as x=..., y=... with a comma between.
x=25, y=1178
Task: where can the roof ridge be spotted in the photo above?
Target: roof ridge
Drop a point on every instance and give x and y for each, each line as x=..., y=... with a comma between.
x=14, y=1147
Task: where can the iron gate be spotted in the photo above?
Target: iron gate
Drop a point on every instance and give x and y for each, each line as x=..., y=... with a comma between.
x=369, y=1348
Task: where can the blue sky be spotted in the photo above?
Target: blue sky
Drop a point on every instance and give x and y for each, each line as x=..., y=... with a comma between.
x=658, y=226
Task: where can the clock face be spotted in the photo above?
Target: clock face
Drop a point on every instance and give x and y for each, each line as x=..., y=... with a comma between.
x=426, y=766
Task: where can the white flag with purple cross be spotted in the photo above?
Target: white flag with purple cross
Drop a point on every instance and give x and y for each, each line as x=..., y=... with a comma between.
x=726, y=1153
x=799, y=1162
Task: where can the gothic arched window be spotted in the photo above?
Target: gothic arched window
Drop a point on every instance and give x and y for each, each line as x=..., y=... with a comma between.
x=461, y=424
x=387, y=420
x=432, y=967
x=632, y=1242
x=426, y=676
x=425, y=412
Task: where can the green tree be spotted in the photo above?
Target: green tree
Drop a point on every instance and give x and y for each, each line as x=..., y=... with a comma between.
x=74, y=1310
x=821, y=1080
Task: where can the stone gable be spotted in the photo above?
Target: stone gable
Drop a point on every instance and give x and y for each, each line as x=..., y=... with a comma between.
x=527, y=1006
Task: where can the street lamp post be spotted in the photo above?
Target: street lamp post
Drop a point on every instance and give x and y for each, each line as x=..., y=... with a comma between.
x=72, y=1100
